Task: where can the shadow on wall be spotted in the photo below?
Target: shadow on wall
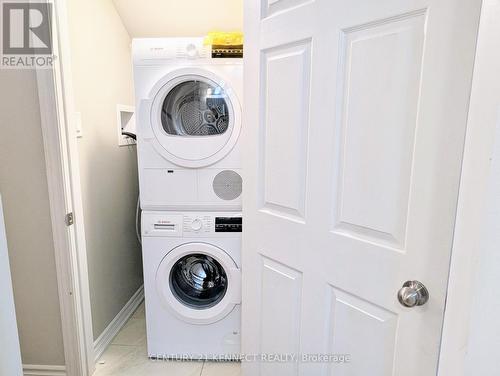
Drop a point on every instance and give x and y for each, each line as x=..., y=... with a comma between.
x=160, y=18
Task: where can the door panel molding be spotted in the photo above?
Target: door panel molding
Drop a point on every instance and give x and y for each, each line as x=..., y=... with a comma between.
x=377, y=133
x=284, y=128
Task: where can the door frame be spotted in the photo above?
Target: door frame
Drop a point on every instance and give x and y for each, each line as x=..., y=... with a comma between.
x=483, y=119
x=56, y=100
x=10, y=359
x=61, y=157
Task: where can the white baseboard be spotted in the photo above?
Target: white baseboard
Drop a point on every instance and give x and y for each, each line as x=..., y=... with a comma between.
x=41, y=370
x=103, y=341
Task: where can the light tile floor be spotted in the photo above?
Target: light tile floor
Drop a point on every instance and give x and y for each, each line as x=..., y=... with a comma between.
x=127, y=356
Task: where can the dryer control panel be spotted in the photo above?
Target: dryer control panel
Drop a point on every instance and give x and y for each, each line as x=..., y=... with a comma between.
x=191, y=224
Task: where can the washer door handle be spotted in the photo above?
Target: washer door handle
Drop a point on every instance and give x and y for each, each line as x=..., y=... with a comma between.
x=235, y=281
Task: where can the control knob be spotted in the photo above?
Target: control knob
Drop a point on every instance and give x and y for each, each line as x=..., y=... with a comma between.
x=196, y=224
x=191, y=50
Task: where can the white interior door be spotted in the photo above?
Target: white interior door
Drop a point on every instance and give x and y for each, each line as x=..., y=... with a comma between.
x=356, y=112
x=10, y=353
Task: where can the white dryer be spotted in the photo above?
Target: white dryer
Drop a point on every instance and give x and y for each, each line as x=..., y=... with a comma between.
x=189, y=115
x=192, y=283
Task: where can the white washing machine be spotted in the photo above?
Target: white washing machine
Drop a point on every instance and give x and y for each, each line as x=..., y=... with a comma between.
x=189, y=122
x=192, y=283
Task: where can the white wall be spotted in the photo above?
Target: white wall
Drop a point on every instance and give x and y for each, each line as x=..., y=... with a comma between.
x=184, y=18
x=102, y=78
x=23, y=185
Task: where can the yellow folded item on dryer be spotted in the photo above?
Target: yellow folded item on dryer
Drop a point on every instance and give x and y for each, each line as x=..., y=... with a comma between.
x=220, y=38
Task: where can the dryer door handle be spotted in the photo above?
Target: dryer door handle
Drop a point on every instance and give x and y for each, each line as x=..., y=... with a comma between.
x=235, y=282
x=145, y=126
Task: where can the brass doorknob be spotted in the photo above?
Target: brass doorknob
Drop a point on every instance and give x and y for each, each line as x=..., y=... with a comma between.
x=412, y=294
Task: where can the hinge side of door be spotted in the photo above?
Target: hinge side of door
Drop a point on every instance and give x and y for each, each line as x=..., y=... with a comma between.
x=69, y=219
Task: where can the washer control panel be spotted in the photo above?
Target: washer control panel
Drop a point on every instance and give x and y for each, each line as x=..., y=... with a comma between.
x=189, y=224
x=209, y=223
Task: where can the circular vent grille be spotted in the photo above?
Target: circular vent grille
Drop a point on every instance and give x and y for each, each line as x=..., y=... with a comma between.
x=227, y=185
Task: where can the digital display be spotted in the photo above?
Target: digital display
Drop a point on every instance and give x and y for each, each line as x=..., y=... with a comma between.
x=228, y=224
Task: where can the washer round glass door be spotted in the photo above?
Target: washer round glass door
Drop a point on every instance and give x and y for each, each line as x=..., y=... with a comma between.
x=195, y=117
x=198, y=282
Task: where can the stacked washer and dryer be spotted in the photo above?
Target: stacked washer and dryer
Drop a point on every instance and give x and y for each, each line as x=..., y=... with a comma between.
x=189, y=123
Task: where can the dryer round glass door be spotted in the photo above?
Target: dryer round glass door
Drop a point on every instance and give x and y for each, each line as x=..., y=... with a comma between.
x=199, y=283
x=195, y=108
x=194, y=116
